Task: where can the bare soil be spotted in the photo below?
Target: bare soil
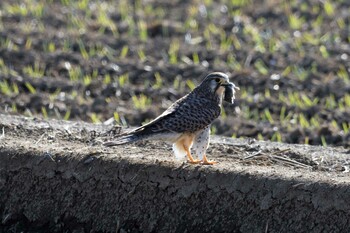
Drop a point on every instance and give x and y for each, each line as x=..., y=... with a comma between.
x=55, y=176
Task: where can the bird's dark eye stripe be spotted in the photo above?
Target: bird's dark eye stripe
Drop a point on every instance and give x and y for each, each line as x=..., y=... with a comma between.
x=217, y=80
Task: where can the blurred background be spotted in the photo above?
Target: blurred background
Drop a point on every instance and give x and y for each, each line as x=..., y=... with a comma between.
x=129, y=60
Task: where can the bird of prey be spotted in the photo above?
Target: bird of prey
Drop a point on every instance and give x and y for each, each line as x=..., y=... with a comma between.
x=186, y=123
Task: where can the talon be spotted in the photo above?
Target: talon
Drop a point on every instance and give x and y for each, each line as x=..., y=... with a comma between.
x=205, y=161
x=209, y=163
x=193, y=161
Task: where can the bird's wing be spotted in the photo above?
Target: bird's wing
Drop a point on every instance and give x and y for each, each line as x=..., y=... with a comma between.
x=156, y=125
x=188, y=114
x=146, y=131
x=192, y=115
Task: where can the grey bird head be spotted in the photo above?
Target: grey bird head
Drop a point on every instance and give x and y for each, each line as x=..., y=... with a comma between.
x=218, y=86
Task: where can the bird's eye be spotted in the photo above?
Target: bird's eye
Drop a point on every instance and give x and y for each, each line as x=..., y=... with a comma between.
x=217, y=80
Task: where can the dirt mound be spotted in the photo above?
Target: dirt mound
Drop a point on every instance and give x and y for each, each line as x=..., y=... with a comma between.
x=55, y=176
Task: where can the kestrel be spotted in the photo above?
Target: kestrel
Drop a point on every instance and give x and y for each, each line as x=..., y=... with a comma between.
x=186, y=123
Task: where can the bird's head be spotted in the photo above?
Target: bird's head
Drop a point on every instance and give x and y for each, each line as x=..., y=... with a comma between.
x=219, y=85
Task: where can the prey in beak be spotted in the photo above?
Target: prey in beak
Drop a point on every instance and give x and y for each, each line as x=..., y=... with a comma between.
x=230, y=90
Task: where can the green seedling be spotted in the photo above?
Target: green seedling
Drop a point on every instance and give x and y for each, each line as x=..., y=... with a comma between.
x=159, y=81
x=341, y=23
x=15, y=88
x=95, y=118
x=233, y=63
x=30, y=88
x=173, y=51
x=142, y=55
x=5, y=88
x=116, y=117
x=107, y=79
x=315, y=121
x=343, y=74
x=142, y=26
x=44, y=112
x=141, y=102
x=324, y=51
x=34, y=71
x=328, y=8
x=323, y=141
x=75, y=74
x=331, y=102
x=67, y=115
x=123, y=79
x=295, y=22
x=346, y=127
x=124, y=51
x=213, y=130
x=261, y=67
x=303, y=122
x=195, y=58
x=14, y=108
x=83, y=50
x=190, y=84
x=277, y=137
x=268, y=116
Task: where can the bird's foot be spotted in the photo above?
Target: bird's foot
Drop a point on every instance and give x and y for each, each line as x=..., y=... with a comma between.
x=205, y=161
x=193, y=161
x=190, y=159
x=208, y=162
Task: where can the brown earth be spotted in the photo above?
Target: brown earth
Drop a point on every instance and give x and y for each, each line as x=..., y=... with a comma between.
x=55, y=176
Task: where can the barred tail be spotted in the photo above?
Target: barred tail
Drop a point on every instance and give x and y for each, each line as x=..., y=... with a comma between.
x=133, y=136
x=123, y=140
x=149, y=131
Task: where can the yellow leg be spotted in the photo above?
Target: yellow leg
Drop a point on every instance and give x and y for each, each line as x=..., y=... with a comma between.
x=186, y=141
x=190, y=158
x=205, y=161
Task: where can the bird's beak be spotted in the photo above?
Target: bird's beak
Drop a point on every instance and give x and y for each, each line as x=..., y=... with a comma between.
x=230, y=90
